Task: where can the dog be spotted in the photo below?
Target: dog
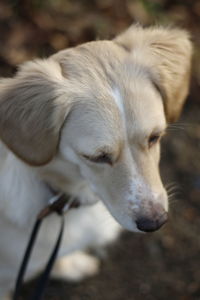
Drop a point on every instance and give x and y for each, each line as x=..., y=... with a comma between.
x=88, y=121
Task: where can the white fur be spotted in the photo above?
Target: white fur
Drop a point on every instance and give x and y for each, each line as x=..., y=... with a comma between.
x=75, y=267
x=81, y=121
x=119, y=101
x=85, y=226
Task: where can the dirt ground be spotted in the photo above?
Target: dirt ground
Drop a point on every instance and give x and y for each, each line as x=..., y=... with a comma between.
x=155, y=266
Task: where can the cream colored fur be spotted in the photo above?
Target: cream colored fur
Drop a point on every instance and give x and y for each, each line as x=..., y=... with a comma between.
x=82, y=120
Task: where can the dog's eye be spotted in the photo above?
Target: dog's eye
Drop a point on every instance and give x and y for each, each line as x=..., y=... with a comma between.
x=102, y=158
x=153, y=139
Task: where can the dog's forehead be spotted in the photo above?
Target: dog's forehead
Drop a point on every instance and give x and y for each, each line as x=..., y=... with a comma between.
x=93, y=71
x=94, y=64
x=109, y=77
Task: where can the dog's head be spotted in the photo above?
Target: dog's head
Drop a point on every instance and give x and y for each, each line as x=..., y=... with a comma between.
x=104, y=107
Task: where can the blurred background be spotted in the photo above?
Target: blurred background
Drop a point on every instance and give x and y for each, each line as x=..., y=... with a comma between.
x=138, y=267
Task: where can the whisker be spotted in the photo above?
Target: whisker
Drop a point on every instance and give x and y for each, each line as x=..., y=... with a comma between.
x=172, y=194
x=172, y=204
x=169, y=184
x=173, y=184
x=172, y=200
x=180, y=126
x=175, y=128
x=172, y=188
x=184, y=124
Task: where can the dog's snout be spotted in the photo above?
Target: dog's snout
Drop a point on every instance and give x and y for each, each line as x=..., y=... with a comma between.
x=149, y=225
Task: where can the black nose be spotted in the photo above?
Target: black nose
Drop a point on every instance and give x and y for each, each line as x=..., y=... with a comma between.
x=149, y=225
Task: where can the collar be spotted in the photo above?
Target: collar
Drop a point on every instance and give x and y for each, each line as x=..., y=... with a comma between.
x=59, y=202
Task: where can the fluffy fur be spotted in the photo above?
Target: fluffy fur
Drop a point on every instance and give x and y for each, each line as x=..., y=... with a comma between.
x=87, y=121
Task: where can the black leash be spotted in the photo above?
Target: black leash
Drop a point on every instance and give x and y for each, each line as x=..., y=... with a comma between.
x=61, y=205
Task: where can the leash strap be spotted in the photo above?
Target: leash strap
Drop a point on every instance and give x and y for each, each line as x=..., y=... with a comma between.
x=27, y=255
x=43, y=280
x=59, y=206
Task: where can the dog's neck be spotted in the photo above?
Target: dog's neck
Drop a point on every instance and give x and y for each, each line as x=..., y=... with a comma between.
x=22, y=193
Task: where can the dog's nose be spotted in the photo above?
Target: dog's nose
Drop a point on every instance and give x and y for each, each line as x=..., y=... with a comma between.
x=148, y=224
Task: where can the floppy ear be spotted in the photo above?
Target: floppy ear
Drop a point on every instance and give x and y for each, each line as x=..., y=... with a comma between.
x=32, y=111
x=167, y=53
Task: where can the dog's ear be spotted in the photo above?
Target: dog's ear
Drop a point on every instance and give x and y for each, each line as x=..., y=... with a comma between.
x=32, y=111
x=166, y=52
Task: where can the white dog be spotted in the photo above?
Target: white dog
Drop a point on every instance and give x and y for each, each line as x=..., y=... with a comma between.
x=88, y=121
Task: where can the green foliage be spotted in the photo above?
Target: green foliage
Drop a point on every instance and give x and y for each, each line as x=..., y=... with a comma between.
x=154, y=8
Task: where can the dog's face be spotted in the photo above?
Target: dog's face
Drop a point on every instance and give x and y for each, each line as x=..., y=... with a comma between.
x=119, y=157
x=103, y=107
